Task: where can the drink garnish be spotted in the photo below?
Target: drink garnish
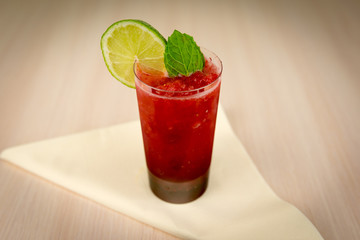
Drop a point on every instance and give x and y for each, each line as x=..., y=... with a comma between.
x=127, y=40
x=182, y=55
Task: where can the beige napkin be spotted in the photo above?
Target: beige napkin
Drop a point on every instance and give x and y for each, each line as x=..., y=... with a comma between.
x=107, y=165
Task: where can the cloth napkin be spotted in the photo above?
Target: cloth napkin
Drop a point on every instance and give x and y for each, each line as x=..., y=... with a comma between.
x=108, y=166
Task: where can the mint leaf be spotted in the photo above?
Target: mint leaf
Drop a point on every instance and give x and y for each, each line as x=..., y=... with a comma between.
x=182, y=55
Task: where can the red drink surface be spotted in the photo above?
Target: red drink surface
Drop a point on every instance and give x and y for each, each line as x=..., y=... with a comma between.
x=196, y=80
x=178, y=117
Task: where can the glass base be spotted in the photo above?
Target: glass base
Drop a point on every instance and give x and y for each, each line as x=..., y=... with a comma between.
x=178, y=192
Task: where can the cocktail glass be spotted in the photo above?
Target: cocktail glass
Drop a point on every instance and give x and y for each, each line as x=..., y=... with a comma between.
x=178, y=133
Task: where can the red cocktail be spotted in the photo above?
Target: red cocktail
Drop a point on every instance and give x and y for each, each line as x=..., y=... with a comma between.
x=178, y=117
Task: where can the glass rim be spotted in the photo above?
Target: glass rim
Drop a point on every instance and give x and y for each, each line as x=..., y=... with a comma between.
x=184, y=91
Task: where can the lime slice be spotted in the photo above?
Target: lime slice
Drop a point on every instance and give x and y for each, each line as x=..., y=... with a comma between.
x=127, y=40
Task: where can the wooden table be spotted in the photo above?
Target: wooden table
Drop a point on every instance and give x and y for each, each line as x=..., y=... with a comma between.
x=291, y=90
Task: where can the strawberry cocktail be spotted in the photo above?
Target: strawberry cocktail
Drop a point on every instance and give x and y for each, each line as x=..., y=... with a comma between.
x=177, y=86
x=178, y=117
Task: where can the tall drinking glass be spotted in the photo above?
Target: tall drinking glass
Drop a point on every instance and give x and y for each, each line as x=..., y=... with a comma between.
x=178, y=133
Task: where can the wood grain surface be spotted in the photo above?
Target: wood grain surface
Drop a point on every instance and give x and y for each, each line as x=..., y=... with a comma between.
x=291, y=90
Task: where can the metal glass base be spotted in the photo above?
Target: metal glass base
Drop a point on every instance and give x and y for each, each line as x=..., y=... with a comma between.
x=178, y=192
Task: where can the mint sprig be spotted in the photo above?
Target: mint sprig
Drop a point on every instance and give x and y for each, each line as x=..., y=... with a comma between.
x=182, y=55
